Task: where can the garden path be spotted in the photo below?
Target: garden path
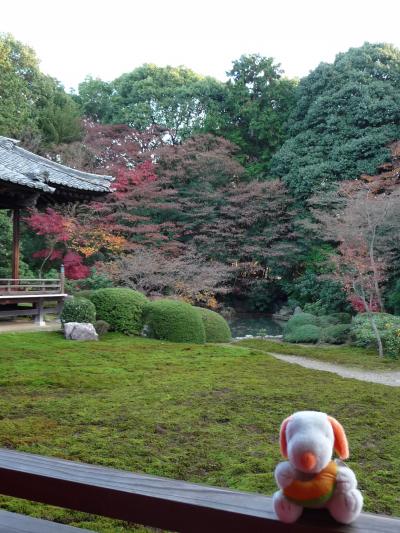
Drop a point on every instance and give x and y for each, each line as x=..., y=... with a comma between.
x=391, y=378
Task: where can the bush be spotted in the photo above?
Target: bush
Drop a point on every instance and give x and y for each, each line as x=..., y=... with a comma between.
x=307, y=333
x=102, y=327
x=342, y=318
x=121, y=308
x=215, y=326
x=300, y=320
x=174, y=321
x=388, y=327
x=87, y=293
x=78, y=310
x=334, y=319
x=336, y=334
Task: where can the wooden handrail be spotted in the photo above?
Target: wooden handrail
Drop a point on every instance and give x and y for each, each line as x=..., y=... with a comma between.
x=159, y=502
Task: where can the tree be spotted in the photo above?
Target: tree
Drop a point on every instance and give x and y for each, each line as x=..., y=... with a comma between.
x=253, y=111
x=345, y=116
x=366, y=229
x=32, y=104
x=186, y=275
x=173, y=99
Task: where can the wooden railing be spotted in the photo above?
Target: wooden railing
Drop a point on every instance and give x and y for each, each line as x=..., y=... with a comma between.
x=9, y=286
x=158, y=502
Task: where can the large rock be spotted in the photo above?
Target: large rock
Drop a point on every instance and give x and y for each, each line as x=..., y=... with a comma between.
x=77, y=331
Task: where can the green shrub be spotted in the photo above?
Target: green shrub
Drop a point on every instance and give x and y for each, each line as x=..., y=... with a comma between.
x=300, y=320
x=388, y=327
x=336, y=334
x=175, y=321
x=326, y=321
x=342, y=318
x=78, y=310
x=215, y=326
x=121, y=308
x=307, y=333
x=86, y=293
x=102, y=327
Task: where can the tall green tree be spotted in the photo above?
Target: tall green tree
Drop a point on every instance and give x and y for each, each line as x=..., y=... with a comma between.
x=175, y=99
x=253, y=110
x=346, y=115
x=31, y=103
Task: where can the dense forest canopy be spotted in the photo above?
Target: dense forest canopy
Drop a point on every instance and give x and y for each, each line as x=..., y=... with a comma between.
x=217, y=184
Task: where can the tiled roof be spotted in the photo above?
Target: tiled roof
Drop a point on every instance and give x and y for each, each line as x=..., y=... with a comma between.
x=30, y=170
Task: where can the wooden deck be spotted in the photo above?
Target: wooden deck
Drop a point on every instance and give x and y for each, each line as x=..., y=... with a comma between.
x=159, y=502
x=36, y=292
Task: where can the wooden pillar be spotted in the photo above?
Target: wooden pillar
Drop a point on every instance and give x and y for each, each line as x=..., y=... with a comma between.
x=16, y=245
x=62, y=279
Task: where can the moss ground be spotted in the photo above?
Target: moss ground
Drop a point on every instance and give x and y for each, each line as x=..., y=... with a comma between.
x=203, y=413
x=342, y=354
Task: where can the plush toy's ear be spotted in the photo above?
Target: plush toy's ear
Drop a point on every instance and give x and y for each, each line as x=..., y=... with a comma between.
x=341, y=445
x=282, y=437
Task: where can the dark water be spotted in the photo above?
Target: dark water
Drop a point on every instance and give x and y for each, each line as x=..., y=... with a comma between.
x=256, y=325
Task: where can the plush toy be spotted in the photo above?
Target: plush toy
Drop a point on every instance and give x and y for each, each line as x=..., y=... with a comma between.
x=310, y=478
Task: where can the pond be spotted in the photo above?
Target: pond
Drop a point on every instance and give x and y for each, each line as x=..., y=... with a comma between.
x=254, y=324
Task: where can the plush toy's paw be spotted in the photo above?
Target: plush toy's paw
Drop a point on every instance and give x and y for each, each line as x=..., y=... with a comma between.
x=345, y=480
x=284, y=474
x=286, y=510
x=345, y=507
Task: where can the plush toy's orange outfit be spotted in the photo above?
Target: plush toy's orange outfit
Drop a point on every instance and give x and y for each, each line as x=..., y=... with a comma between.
x=315, y=491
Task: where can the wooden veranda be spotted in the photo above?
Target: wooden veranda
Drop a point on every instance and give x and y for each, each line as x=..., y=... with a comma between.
x=28, y=180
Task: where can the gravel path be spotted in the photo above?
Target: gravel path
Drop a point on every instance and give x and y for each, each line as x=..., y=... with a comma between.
x=391, y=378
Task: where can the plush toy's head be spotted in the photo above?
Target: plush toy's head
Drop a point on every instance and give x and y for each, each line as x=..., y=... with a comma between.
x=308, y=439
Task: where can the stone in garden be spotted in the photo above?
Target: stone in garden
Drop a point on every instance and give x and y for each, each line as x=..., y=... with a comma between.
x=77, y=331
x=298, y=310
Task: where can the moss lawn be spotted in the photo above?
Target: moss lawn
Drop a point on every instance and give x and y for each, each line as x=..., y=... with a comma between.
x=203, y=413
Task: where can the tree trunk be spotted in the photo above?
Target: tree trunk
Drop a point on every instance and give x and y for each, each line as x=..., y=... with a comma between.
x=376, y=333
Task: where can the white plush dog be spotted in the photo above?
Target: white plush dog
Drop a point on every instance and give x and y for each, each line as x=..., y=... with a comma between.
x=310, y=478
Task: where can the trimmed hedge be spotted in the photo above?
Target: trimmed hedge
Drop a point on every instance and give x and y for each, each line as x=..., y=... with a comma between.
x=121, y=308
x=215, y=326
x=300, y=319
x=174, y=321
x=78, y=310
x=336, y=334
x=307, y=333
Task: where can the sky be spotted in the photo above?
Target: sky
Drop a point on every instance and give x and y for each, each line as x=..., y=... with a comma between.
x=77, y=38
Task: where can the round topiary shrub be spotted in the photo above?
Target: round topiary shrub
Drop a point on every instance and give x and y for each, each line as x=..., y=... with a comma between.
x=174, y=321
x=336, y=334
x=102, y=327
x=215, y=326
x=121, y=308
x=78, y=310
x=300, y=319
x=308, y=333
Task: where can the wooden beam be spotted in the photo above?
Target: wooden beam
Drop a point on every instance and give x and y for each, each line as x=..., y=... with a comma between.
x=160, y=502
x=16, y=244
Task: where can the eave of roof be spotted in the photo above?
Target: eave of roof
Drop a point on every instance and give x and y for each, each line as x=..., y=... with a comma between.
x=26, y=169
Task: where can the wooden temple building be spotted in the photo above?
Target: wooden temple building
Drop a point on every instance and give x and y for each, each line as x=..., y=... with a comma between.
x=28, y=180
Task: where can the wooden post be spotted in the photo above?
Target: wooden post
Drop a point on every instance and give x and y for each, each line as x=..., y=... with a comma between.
x=39, y=319
x=16, y=239
x=62, y=279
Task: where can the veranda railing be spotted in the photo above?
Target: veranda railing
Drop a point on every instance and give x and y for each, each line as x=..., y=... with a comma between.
x=153, y=501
